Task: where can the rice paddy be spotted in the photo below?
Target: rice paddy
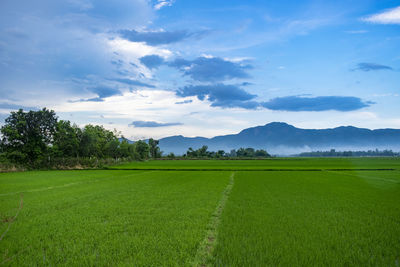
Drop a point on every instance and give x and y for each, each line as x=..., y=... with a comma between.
x=276, y=212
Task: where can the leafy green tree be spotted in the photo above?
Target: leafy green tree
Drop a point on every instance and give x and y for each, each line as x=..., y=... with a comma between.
x=141, y=150
x=202, y=152
x=112, y=148
x=94, y=141
x=27, y=136
x=154, y=149
x=245, y=152
x=199, y=153
x=191, y=153
x=220, y=154
x=171, y=155
x=241, y=152
x=261, y=153
x=126, y=149
x=66, y=139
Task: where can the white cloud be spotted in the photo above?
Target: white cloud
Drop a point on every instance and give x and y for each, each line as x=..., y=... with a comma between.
x=238, y=59
x=389, y=16
x=137, y=50
x=356, y=32
x=156, y=105
x=63, y=47
x=132, y=51
x=162, y=3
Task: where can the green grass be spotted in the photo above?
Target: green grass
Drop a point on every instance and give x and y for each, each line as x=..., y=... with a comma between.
x=273, y=163
x=311, y=219
x=177, y=217
x=74, y=218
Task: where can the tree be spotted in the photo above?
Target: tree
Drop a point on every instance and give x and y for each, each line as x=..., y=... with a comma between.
x=94, y=141
x=66, y=139
x=199, y=153
x=241, y=152
x=220, y=154
x=112, y=148
x=171, y=155
x=126, y=149
x=154, y=149
x=141, y=150
x=202, y=152
x=27, y=136
x=261, y=153
x=191, y=153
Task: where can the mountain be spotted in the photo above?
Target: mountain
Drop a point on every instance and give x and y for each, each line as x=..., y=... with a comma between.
x=283, y=139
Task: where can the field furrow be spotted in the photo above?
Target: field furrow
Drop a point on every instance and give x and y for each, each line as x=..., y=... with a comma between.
x=205, y=251
x=135, y=218
x=311, y=219
x=250, y=217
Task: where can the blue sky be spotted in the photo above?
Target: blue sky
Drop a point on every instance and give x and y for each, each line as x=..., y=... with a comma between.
x=202, y=68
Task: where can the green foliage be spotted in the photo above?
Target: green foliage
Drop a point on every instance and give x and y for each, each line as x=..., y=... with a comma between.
x=141, y=150
x=38, y=140
x=126, y=149
x=66, y=139
x=240, y=153
x=261, y=153
x=95, y=142
x=26, y=136
x=154, y=149
x=202, y=152
x=171, y=155
x=251, y=153
x=334, y=153
x=220, y=154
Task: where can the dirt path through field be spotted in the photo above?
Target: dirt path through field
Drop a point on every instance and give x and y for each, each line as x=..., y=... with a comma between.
x=204, y=253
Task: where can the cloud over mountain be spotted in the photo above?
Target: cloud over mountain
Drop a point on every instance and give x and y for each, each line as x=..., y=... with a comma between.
x=220, y=95
x=371, y=67
x=320, y=103
x=214, y=69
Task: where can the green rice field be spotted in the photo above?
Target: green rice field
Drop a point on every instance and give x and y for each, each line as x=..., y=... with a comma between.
x=267, y=164
x=275, y=212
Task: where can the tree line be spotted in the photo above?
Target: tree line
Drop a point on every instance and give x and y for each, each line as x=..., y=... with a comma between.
x=39, y=139
x=334, y=153
x=203, y=152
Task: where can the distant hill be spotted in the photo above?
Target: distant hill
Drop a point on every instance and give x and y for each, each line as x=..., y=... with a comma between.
x=284, y=139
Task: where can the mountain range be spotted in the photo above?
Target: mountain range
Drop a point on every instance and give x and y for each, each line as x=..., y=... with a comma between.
x=283, y=139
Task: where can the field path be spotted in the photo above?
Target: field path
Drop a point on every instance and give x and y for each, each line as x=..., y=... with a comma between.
x=204, y=253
